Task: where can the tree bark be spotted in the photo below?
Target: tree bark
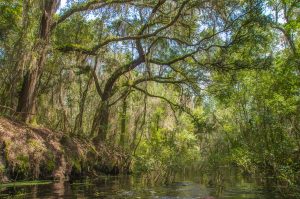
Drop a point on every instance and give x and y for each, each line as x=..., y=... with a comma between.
x=100, y=123
x=27, y=97
x=123, y=123
x=101, y=118
x=79, y=119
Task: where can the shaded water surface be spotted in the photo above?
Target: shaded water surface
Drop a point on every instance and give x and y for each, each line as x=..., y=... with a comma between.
x=132, y=187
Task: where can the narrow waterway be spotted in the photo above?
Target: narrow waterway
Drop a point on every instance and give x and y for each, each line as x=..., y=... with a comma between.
x=119, y=187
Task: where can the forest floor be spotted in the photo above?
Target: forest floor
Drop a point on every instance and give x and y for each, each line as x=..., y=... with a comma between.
x=28, y=153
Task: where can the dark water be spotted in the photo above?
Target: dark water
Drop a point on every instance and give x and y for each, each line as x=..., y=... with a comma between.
x=132, y=187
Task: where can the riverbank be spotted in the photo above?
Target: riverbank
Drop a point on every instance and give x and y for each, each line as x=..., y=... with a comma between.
x=30, y=153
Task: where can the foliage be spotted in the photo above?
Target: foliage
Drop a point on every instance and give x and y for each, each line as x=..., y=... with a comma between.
x=169, y=85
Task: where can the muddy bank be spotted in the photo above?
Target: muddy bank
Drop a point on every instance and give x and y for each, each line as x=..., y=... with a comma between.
x=29, y=153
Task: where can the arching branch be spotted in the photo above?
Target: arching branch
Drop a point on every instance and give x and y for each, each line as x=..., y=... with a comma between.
x=138, y=37
x=86, y=6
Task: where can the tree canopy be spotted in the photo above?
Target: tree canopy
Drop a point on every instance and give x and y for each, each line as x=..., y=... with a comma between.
x=215, y=81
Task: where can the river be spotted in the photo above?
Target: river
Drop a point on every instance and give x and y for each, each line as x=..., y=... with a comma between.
x=120, y=187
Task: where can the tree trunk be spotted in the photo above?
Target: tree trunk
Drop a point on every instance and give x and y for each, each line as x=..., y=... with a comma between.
x=27, y=97
x=79, y=119
x=100, y=123
x=102, y=113
x=19, y=53
x=123, y=123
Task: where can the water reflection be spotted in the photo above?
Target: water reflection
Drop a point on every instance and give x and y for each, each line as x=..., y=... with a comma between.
x=133, y=187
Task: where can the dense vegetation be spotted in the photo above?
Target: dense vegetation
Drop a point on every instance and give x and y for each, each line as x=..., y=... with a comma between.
x=166, y=86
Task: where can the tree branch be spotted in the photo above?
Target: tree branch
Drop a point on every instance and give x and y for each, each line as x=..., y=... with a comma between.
x=139, y=36
x=86, y=6
x=172, y=104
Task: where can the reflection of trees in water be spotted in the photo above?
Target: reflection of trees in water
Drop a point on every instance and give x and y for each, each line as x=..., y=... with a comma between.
x=34, y=191
x=218, y=184
x=61, y=189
